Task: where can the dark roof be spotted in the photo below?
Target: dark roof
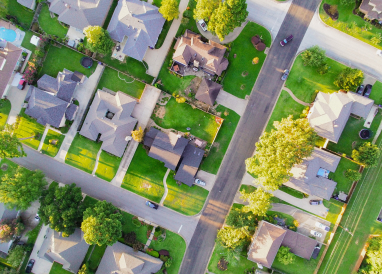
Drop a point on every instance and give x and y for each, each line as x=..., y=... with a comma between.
x=261, y=46
x=70, y=112
x=30, y=89
x=372, y=8
x=8, y=61
x=189, y=165
x=150, y=136
x=299, y=244
x=208, y=91
x=255, y=40
x=78, y=77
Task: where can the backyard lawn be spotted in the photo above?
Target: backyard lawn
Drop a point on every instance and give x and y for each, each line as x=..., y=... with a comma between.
x=335, y=208
x=107, y=166
x=145, y=176
x=5, y=108
x=241, y=74
x=116, y=81
x=184, y=199
x=82, y=153
x=59, y=58
x=376, y=93
x=24, y=15
x=212, y=163
x=49, y=149
x=29, y=127
x=343, y=184
x=51, y=25
x=183, y=116
x=57, y=269
x=26, y=41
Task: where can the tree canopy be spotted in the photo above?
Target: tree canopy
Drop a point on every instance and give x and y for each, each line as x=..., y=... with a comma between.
x=169, y=9
x=205, y=8
x=10, y=145
x=279, y=150
x=238, y=218
x=367, y=154
x=102, y=224
x=3, y=8
x=230, y=237
x=15, y=256
x=138, y=135
x=314, y=57
x=61, y=208
x=98, y=39
x=349, y=79
x=284, y=256
x=353, y=175
x=259, y=201
x=20, y=188
x=10, y=228
x=373, y=257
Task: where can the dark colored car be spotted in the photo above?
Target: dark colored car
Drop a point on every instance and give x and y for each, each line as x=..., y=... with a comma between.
x=286, y=40
x=152, y=205
x=315, y=202
x=316, y=251
x=21, y=84
x=29, y=266
x=367, y=91
x=360, y=89
x=285, y=75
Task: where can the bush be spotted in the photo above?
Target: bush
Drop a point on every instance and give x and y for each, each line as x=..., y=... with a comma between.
x=138, y=246
x=168, y=262
x=153, y=253
x=353, y=175
x=130, y=238
x=349, y=79
x=15, y=256
x=323, y=69
x=136, y=222
x=313, y=57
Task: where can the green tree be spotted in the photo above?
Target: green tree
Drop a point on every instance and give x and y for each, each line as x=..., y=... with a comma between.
x=238, y=218
x=284, y=256
x=352, y=175
x=205, y=8
x=10, y=145
x=61, y=208
x=84, y=270
x=314, y=57
x=259, y=201
x=10, y=228
x=373, y=261
x=15, y=256
x=280, y=149
x=6, y=270
x=21, y=187
x=367, y=154
x=102, y=224
x=349, y=79
x=98, y=39
x=3, y=8
x=231, y=256
x=138, y=135
x=230, y=237
x=229, y=15
x=169, y=9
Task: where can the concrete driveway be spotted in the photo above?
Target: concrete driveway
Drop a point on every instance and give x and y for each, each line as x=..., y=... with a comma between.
x=206, y=177
x=41, y=266
x=232, y=102
x=16, y=97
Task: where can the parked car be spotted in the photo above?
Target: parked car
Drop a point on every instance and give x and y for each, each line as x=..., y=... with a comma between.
x=360, y=89
x=315, y=202
x=316, y=251
x=21, y=84
x=322, y=226
x=379, y=52
x=316, y=234
x=367, y=91
x=152, y=205
x=202, y=24
x=286, y=40
x=200, y=182
x=29, y=266
x=37, y=217
x=285, y=75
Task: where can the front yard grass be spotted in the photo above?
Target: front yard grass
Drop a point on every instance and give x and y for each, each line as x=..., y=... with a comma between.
x=108, y=165
x=241, y=74
x=26, y=41
x=111, y=79
x=82, y=153
x=5, y=108
x=343, y=184
x=29, y=127
x=212, y=163
x=49, y=149
x=24, y=15
x=128, y=226
x=292, y=192
x=57, y=269
x=184, y=199
x=59, y=58
x=145, y=176
x=376, y=93
x=181, y=116
x=51, y=25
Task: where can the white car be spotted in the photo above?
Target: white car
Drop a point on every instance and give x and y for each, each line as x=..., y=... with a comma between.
x=316, y=234
x=379, y=52
x=322, y=226
x=200, y=182
x=202, y=24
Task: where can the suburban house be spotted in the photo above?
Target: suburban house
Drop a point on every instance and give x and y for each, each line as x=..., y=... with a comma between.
x=30, y=4
x=120, y=258
x=176, y=153
x=109, y=120
x=208, y=91
x=311, y=176
x=6, y=214
x=136, y=25
x=330, y=112
x=191, y=51
x=68, y=251
x=9, y=60
x=268, y=238
x=51, y=101
x=372, y=9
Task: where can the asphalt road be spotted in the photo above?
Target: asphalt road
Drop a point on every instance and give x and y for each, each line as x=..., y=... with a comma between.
x=261, y=102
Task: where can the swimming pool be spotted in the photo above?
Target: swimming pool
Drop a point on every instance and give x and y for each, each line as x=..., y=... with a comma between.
x=7, y=34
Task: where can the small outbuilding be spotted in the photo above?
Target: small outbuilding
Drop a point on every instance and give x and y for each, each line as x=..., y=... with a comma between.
x=208, y=92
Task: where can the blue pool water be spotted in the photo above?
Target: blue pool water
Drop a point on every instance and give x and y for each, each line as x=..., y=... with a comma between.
x=7, y=34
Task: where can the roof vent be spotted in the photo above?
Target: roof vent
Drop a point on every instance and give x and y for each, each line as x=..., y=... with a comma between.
x=109, y=115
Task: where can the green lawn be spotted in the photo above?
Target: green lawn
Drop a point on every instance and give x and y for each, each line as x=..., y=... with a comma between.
x=111, y=79
x=94, y=260
x=191, y=25
x=304, y=81
x=343, y=184
x=291, y=191
x=234, y=81
x=212, y=163
x=24, y=15
x=335, y=208
x=107, y=166
x=29, y=127
x=59, y=58
x=51, y=25
x=49, y=149
x=376, y=93
x=350, y=135
x=110, y=13
x=288, y=218
x=57, y=269
x=145, y=176
x=5, y=108
x=346, y=18
x=82, y=153
x=184, y=199
x=26, y=41
x=180, y=116
x=285, y=106
x=128, y=226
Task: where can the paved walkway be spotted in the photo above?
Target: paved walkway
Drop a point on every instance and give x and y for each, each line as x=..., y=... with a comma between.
x=43, y=137
x=97, y=161
x=149, y=239
x=232, y=102
x=295, y=98
x=229, y=38
x=83, y=94
x=16, y=97
x=165, y=187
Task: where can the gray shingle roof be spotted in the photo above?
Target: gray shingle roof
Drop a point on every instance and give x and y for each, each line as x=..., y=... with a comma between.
x=149, y=137
x=299, y=244
x=30, y=4
x=8, y=60
x=140, y=21
x=114, y=129
x=81, y=13
x=372, y=8
x=208, y=91
x=189, y=165
x=70, y=112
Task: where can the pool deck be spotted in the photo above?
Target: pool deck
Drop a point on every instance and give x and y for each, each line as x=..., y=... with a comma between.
x=19, y=34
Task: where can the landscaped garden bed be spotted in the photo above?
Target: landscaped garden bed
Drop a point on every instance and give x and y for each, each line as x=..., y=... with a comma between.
x=107, y=166
x=52, y=143
x=28, y=127
x=51, y=25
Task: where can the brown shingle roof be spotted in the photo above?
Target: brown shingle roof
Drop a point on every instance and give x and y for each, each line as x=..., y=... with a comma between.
x=8, y=60
x=208, y=91
x=372, y=8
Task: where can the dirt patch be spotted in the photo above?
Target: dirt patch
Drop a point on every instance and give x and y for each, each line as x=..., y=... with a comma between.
x=160, y=111
x=331, y=10
x=194, y=85
x=244, y=73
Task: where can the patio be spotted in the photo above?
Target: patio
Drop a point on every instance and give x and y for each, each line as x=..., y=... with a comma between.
x=75, y=37
x=117, y=50
x=192, y=69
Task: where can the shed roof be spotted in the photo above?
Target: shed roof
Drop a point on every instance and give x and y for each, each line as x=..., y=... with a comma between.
x=208, y=91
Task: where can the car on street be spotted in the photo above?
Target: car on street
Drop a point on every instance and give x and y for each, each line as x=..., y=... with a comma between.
x=322, y=226
x=152, y=205
x=21, y=84
x=285, y=75
x=367, y=91
x=360, y=89
x=316, y=234
x=315, y=202
x=286, y=40
x=200, y=182
x=202, y=24
x=379, y=52
x=29, y=266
